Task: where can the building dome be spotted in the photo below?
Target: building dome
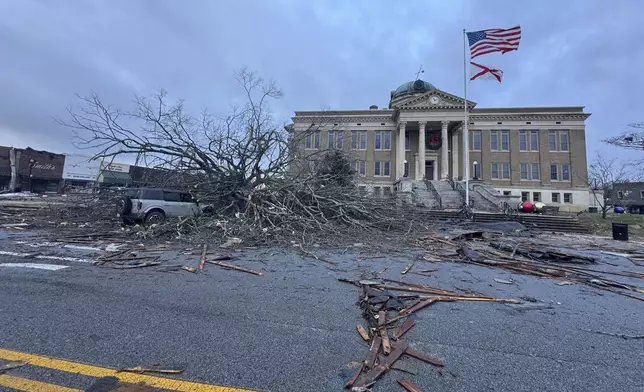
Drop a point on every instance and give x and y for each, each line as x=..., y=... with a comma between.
x=415, y=87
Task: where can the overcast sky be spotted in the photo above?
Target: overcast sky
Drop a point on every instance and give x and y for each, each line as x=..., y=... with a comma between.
x=338, y=54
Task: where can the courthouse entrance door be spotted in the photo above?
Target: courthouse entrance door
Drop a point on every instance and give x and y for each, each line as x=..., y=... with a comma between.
x=429, y=169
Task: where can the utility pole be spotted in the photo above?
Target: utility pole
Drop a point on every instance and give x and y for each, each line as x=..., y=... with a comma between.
x=12, y=162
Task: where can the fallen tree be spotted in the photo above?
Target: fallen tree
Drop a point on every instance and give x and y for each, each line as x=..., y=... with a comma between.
x=243, y=164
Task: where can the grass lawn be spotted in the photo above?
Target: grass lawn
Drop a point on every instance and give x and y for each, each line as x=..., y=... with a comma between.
x=604, y=226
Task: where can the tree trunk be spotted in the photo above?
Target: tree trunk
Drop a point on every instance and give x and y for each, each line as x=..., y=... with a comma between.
x=604, y=212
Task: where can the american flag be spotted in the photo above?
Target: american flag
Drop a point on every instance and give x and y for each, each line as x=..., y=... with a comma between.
x=481, y=71
x=494, y=40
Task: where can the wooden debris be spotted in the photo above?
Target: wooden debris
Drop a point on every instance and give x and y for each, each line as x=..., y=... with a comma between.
x=407, y=325
x=220, y=257
x=315, y=256
x=424, y=357
x=189, y=269
x=236, y=268
x=140, y=370
x=373, y=352
x=382, y=329
x=354, y=378
x=202, y=260
x=409, y=386
x=142, y=265
x=469, y=253
x=407, y=269
x=619, y=335
x=363, y=332
x=11, y=365
x=384, y=364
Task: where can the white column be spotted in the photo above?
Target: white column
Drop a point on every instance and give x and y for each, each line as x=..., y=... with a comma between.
x=417, y=167
x=421, y=151
x=400, y=151
x=444, y=151
x=455, y=154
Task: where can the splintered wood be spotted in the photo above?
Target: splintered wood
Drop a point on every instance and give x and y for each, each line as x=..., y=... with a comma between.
x=530, y=257
x=384, y=310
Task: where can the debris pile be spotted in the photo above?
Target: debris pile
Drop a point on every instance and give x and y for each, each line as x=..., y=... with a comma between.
x=389, y=317
x=529, y=257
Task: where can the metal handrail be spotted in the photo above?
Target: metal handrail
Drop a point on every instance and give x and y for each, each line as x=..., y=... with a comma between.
x=434, y=191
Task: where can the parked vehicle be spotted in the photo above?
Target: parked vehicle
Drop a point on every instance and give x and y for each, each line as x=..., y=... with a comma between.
x=154, y=205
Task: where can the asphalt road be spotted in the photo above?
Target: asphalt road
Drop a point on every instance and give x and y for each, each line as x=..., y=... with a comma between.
x=294, y=329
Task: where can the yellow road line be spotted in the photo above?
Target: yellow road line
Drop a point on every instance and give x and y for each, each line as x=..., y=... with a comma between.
x=97, y=371
x=24, y=384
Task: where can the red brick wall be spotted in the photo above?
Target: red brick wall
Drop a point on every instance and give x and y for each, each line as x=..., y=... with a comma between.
x=47, y=164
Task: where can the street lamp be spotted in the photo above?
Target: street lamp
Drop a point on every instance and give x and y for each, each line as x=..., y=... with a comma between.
x=476, y=177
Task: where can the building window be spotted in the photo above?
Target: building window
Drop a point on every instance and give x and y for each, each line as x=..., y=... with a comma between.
x=507, y=193
x=554, y=173
x=568, y=198
x=312, y=140
x=558, y=140
x=361, y=168
x=500, y=171
x=358, y=140
x=525, y=196
x=534, y=140
x=523, y=141
x=476, y=140
x=383, y=140
x=406, y=169
x=362, y=189
x=536, y=196
x=407, y=143
x=552, y=140
x=529, y=141
x=563, y=140
x=506, y=171
x=620, y=194
x=505, y=141
x=536, y=171
x=524, y=171
x=530, y=171
x=565, y=172
x=376, y=190
x=641, y=194
x=555, y=198
x=494, y=140
x=381, y=169
x=387, y=191
x=335, y=139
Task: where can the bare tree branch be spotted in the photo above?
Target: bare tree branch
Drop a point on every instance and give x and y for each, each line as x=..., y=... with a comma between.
x=633, y=139
x=603, y=175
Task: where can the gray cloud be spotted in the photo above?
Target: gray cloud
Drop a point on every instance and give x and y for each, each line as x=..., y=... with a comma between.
x=336, y=54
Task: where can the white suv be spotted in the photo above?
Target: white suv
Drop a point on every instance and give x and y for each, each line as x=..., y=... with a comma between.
x=154, y=205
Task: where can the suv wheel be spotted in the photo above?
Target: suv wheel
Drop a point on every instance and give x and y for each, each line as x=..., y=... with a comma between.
x=154, y=217
x=124, y=205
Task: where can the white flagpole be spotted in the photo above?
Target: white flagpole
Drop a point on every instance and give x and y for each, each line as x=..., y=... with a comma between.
x=466, y=138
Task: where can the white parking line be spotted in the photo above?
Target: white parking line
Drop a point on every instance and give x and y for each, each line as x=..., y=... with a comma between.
x=49, y=267
x=45, y=257
x=59, y=245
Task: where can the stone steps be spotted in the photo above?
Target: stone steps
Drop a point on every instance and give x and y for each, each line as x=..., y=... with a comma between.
x=567, y=224
x=562, y=224
x=450, y=198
